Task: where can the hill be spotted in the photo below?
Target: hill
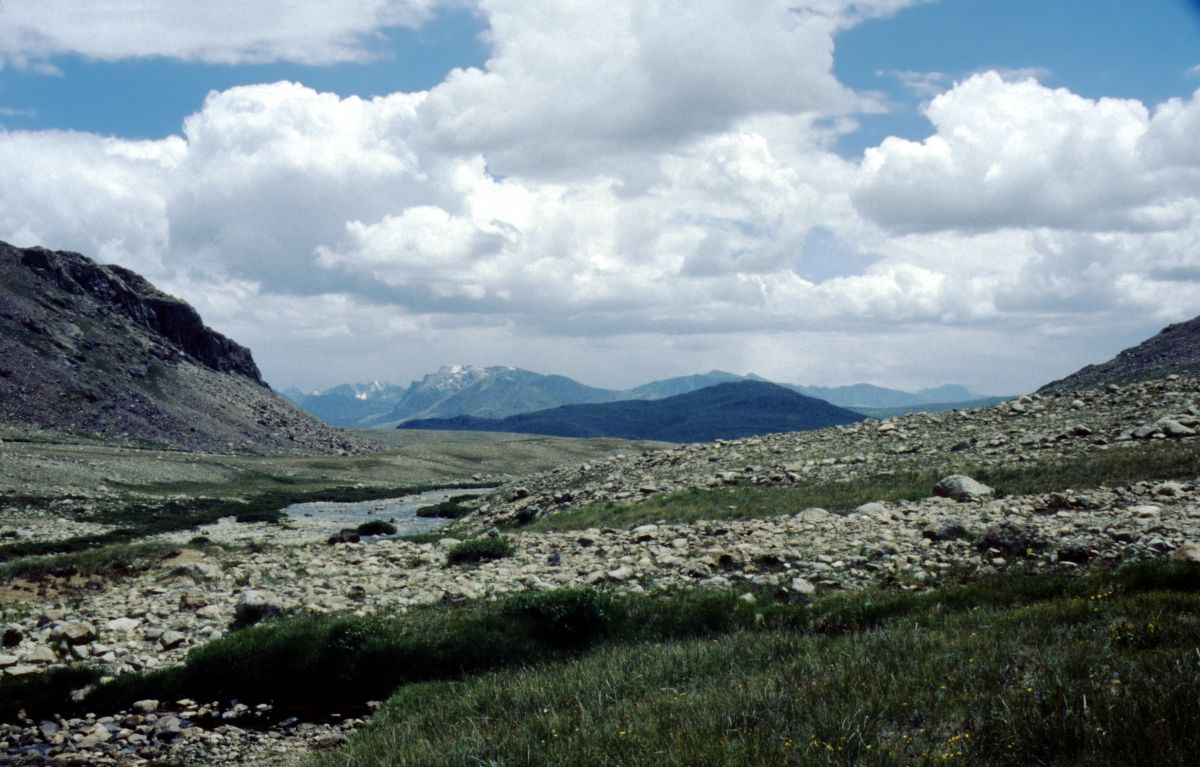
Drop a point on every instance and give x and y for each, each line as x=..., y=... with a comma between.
x=499, y=392
x=670, y=387
x=94, y=349
x=493, y=392
x=1175, y=350
x=724, y=411
x=350, y=405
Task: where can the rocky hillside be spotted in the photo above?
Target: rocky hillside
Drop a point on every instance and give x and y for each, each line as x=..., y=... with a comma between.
x=1032, y=429
x=1176, y=349
x=98, y=350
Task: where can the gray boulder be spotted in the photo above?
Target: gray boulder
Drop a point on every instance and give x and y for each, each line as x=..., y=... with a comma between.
x=76, y=633
x=960, y=487
x=946, y=529
x=255, y=606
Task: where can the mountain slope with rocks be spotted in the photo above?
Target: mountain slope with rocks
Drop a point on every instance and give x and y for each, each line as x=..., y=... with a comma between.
x=98, y=350
x=723, y=411
x=1174, y=350
x=1030, y=430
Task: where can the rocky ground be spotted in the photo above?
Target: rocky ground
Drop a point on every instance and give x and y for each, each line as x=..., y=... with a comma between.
x=152, y=618
x=1033, y=428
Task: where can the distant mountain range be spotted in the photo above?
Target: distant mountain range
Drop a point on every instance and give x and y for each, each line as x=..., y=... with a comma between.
x=1175, y=349
x=499, y=392
x=721, y=411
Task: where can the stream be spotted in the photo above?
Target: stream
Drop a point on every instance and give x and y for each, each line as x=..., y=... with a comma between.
x=330, y=518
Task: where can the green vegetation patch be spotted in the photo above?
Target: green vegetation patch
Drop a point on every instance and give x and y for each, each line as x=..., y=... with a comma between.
x=1115, y=466
x=376, y=527
x=1070, y=681
x=317, y=663
x=46, y=692
x=479, y=550
x=454, y=507
x=115, y=559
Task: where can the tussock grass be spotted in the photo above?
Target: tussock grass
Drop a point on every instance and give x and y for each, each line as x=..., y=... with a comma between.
x=454, y=507
x=1118, y=465
x=376, y=527
x=309, y=662
x=44, y=692
x=116, y=559
x=479, y=550
x=1056, y=682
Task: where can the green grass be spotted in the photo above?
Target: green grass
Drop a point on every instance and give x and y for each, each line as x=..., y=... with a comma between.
x=434, y=537
x=42, y=692
x=1119, y=465
x=309, y=662
x=115, y=559
x=376, y=527
x=479, y=550
x=1068, y=681
x=455, y=507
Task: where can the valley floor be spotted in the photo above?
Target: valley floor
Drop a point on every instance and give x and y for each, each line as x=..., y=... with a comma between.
x=786, y=529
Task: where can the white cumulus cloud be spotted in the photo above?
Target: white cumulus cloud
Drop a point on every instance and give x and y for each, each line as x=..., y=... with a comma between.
x=635, y=189
x=1019, y=154
x=214, y=31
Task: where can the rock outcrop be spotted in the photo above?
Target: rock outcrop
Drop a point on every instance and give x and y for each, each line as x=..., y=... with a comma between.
x=1175, y=350
x=98, y=350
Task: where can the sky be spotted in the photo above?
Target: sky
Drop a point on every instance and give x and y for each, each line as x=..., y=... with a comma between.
x=822, y=192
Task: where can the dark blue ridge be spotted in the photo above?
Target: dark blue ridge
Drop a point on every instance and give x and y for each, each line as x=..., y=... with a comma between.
x=724, y=411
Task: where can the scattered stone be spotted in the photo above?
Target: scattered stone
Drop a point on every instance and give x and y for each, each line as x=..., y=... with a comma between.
x=961, y=488
x=946, y=529
x=803, y=586
x=255, y=606
x=1188, y=552
x=1010, y=539
x=41, y=654
x=171, y=639
x=122, y=625
x=11, y=636
x=76, y=633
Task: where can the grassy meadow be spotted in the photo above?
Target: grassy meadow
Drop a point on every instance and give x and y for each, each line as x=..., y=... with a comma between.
x=1098, y=668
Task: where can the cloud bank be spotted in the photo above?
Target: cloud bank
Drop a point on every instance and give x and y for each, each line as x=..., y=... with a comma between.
x=627, y=190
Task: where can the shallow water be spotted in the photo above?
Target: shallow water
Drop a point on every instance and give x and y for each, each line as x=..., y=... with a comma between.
x=331, y=518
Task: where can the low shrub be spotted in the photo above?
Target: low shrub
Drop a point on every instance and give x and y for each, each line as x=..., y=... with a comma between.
x=563, y=617
x=455, y=507
x=479, y=550
x=433, y=537
x=119, y=559
x=376, y=527
x=42, y=695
